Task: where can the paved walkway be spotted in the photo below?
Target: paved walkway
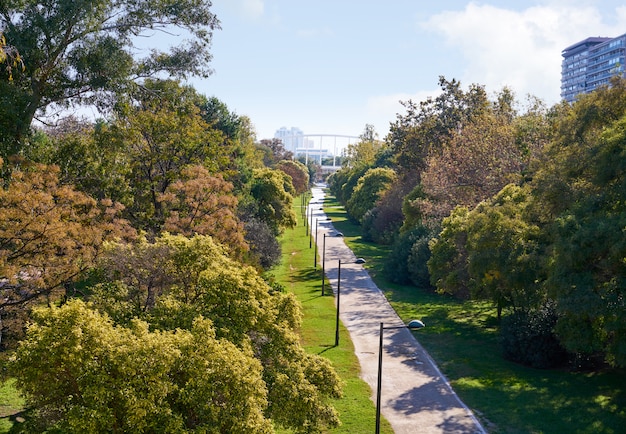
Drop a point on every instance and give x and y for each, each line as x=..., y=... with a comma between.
x=416, y=397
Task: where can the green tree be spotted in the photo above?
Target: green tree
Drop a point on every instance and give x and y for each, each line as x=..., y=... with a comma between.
x=162, y=132
x=89, y=157
x=365, y=151
x=82, y=373
x=369, y=189
x=181, y=279
x=494, y=252
x=343, y=182
x=448, y=261
x=580, y=193
x=505, y=252
x=272, y=192
x=83, y=51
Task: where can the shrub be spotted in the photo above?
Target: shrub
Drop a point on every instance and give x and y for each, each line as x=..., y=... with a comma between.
x=396, y=267
x=528, y=338
x=418, y=261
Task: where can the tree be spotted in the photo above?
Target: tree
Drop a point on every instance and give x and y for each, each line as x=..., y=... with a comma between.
x=506, y=252
x=448, y=261
x=363, y=152
x=10, y=56
x=82, y=373
x=162, y=132
x=298, y=172
x=199, y=203
x=580, y=194
x=274, y=151
x=428, y=125
x=82, y=52
x=238, y=142
x=494, y=252
x=264, y=247
x=201, y=281
x=88, y=155
x=480, y=159
x=272, y=192
x=49, y=235
x=369, y=189
x=343, y=182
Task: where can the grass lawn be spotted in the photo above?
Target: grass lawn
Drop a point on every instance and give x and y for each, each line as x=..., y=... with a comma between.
x=296, y=272
x=11, y=403
x=462, y=337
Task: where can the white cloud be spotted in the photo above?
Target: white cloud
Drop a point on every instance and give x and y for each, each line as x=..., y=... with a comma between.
x=247, y=9
x=519, y=49
x=252, y=8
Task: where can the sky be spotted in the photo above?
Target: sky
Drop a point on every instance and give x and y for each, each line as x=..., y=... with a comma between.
x=334, y=66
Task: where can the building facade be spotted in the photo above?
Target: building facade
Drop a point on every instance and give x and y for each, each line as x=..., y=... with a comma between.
x=292, y=138
x=591, y=63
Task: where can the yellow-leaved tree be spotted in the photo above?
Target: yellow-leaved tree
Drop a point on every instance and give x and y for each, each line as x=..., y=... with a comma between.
x=49, y=234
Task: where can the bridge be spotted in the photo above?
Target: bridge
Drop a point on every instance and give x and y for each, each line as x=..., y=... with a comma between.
x=319, y=147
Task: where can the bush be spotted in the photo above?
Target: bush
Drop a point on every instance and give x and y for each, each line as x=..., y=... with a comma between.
x=418, y=262
x=378, y=226
x=263, y=243
x=528, y=338
x=396, y=268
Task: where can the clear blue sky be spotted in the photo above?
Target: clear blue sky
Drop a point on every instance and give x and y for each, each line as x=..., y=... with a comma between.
x=333, y=66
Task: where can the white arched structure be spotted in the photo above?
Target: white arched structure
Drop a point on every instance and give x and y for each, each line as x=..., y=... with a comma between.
x=318, y=146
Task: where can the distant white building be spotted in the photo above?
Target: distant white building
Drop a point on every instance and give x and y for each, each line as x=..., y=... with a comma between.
x=292, y=138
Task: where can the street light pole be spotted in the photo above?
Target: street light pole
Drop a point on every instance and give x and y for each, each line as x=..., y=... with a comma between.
x=338, y=299
x=306, y=220
x=323, y=263
x=412, y=325
x=315, y=254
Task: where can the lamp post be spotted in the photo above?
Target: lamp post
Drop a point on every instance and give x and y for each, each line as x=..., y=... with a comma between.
x=315, y=254
x=323, y=263
x=311, y=226
x=338, y=298
x=412, y=325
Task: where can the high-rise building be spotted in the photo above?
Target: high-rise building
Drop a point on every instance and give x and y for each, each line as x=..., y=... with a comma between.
x=292, y=138
x=591, y=63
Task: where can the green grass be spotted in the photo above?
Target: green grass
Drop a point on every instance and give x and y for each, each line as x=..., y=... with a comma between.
x=462, y=337
x=297, y=274
x=11, y=404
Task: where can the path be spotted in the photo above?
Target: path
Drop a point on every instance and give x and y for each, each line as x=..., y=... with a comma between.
x=416, y=397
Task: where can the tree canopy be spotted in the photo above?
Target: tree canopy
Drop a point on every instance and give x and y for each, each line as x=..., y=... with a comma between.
x=86, y=51
x=102, y=377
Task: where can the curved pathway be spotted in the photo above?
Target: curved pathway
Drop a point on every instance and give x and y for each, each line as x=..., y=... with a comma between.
x=416, y=397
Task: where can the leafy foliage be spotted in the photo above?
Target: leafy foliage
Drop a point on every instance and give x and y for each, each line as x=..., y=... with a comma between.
x=175, y=280
x=84, y=51
x=298, y=172
x=396, y=267
x=199, y=203
x=106, y=378
x=528, y=338
x=587, y=268
x=263, y=243
x=49, y=235
x=369, y=189
x=272, y=191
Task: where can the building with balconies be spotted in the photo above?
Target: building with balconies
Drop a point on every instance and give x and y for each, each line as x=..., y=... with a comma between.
x=591, y=63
